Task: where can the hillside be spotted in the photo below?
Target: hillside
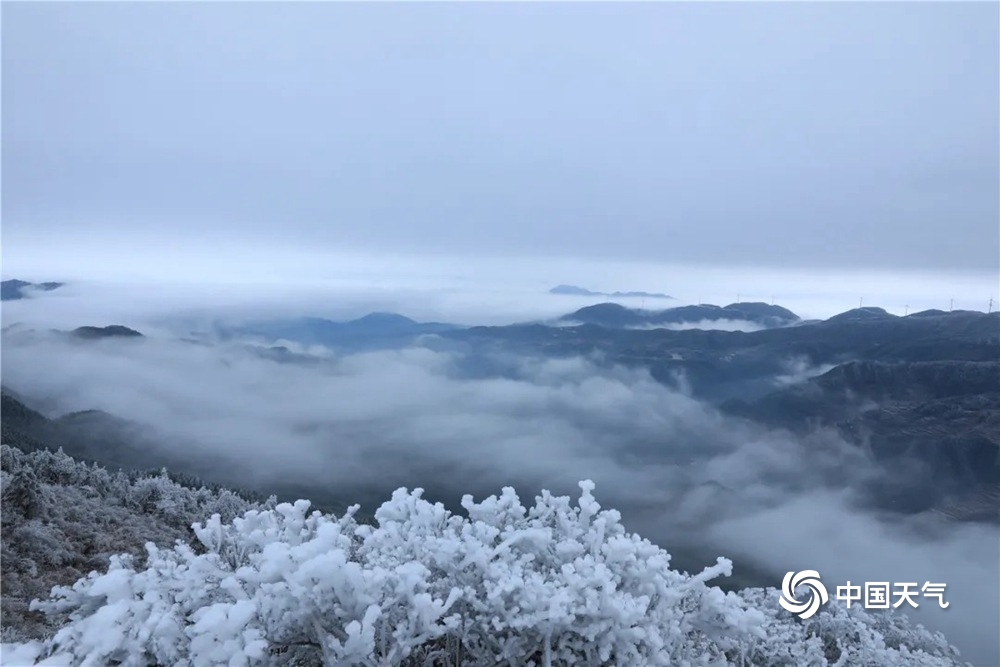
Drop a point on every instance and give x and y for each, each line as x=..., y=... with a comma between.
x=939, y=421
x=62, y=519
x=89, y=435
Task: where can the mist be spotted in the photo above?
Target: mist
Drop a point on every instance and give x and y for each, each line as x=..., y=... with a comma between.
x=142, y=284
x=343, y=429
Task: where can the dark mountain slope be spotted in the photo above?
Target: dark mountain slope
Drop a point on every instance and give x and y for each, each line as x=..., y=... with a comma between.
x=921, y=392
x=20, y=425
x=937, y=421
x=111, y=331
x=96, y=436
x=607, y=315
x=616, y=316
x=12, y=290
x=726, y=364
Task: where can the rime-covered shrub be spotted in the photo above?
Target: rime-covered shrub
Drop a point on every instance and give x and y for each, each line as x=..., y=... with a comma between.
x=839, y=636
x=556, y=583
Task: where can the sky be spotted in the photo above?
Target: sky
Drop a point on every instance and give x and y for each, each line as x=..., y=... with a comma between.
x=232, y=140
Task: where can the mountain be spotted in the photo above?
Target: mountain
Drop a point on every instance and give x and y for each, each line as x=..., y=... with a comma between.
x=721, y=364
x=922, y=392
x=923, y=388
x=611, y=315
x=91, y=435
x=371, y=332
x=20, y=426
x=866, y=313
x=938, y=420
x=617, y=316
x=12, y=290
x=103, y=438
x=573, y=290
x=112, y=331
x=18, y=332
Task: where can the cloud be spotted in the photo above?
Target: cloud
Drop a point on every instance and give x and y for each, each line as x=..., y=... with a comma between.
x=708, y=325
x=799, y=370
x=154, y=282
x=821, y=531
x=724, y=134
x=352, y=428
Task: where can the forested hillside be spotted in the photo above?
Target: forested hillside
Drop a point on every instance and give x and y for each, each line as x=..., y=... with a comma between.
x=62, y=519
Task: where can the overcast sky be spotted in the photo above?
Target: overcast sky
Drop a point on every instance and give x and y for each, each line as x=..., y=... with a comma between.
x=847, y=136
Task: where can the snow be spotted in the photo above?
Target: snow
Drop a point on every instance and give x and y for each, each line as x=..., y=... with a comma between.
x=556, y=583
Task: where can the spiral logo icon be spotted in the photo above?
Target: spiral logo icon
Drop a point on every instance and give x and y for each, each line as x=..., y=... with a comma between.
x=817, y=596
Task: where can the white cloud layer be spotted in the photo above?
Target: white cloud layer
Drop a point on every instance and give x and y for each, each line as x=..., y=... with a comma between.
x=353, y=428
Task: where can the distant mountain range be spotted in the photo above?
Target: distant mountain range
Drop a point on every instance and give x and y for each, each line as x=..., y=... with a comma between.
x=84, y=333
x=921, y=392
x=573, y=290
x=12, y=290
x=390, y=330
x=373, y=331
x=616, y=316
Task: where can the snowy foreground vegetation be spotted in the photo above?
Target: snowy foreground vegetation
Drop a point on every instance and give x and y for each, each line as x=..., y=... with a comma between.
x=557, y=583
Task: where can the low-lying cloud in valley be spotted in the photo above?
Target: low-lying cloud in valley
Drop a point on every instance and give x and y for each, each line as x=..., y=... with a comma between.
x=716, y=325
x=347, y=429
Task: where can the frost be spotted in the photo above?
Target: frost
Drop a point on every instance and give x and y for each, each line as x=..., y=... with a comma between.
x=62, y=519
x=557, y=583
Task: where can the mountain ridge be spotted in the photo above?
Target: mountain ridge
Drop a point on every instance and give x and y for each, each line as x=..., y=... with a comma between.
x=573, y=290
x=616, y=315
